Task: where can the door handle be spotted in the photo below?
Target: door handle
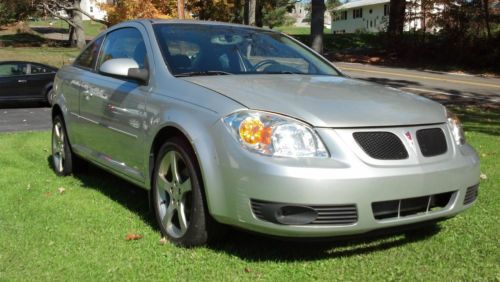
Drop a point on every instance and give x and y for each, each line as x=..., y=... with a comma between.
x=22, y=81
x=87, y=94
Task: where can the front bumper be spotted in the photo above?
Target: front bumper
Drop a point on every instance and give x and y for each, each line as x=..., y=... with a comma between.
x=237, y=177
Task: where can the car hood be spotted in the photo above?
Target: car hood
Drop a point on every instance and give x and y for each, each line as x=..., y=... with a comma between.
x=326, y=101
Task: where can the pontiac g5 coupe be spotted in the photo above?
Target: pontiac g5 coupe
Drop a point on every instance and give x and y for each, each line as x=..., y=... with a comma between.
x=235, y=125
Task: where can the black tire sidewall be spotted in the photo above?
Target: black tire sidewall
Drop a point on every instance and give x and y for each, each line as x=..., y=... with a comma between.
x=49, y=97
x=196, y=233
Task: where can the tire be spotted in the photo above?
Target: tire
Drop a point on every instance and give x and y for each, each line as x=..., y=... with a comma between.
x=178, y=198
x=63, y=160
x=50, y=97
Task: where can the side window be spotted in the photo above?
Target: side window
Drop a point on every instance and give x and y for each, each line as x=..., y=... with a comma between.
x=38, y=69
x=124, y=43
x=13, y=69
x=88, y=57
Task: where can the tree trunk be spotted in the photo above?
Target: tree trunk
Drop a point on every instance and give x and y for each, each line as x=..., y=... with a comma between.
x=237, y=11
x=486, y=4
x=317, y=24
x=245, y=12
x=79, y=35
x=258, y=14
x=397, y=17
x=252, y=10
x=180, y=9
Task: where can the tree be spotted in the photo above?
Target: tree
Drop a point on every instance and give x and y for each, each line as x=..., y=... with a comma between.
x=18, y=10
x=317, y=24
x=73, y=16
x=123, y=10
x=396, y=18
x=180, y=9
x=216, y=10
x=252, y=11
x=274, y=12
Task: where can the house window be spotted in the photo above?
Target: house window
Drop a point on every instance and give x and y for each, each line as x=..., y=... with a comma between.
x=357, y=13
x=386, y=9
x=91, y=9
x=343, y=15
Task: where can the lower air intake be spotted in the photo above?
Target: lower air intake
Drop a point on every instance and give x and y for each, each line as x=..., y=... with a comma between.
x=411, y=206
x=471, y=194
x=294, y=214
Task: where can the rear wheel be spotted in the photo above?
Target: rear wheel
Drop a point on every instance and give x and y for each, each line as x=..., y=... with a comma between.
x=63, y=159
x=50, y=97
x=178, y=199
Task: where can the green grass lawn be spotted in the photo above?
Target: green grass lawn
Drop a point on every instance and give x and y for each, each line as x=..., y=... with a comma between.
x=55, y=56
x=80, y=234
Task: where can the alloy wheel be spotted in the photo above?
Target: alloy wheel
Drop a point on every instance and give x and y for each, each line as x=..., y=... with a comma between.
x=174, y=195
x=58, y=155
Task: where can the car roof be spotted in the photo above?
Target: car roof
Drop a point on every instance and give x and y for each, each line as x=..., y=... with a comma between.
x=26, y=62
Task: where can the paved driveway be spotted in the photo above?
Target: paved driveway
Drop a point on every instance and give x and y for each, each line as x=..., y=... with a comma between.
x=24, y=119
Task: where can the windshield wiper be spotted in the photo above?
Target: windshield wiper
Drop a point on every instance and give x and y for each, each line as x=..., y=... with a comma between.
x=202, y=73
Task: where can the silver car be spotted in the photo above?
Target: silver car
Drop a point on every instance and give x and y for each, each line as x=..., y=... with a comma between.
x=234, y=125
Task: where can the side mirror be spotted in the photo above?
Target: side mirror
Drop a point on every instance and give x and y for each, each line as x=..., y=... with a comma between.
x=125, y=68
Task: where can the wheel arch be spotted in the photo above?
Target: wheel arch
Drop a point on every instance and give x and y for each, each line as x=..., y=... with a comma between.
x=56, y=110
x=167, y=132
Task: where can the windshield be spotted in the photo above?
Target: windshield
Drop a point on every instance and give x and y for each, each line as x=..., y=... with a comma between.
x=195, y=49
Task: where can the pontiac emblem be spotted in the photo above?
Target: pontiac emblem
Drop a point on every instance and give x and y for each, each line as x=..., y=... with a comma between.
x=409, y=138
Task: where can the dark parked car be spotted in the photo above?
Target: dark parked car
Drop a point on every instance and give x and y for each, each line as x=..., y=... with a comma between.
x=26, y=81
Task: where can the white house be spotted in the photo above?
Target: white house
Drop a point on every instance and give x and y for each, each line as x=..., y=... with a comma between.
x=301, y=14
x=92, y=7
x=370, y=16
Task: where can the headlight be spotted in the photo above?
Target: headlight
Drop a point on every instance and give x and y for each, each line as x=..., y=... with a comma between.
x=275, y=135
x=456, y=128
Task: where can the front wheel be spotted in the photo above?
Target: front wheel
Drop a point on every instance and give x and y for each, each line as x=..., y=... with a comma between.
x=177, y=195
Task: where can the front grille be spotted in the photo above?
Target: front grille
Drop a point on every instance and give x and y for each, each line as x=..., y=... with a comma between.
x=471, y=194
x=431, y=141
x=381, y=145
x=411, y=206
x=323, y=214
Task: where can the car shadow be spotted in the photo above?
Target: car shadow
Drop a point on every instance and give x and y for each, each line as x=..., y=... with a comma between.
x=245, y=245
x=120, y=191
x=255, y=247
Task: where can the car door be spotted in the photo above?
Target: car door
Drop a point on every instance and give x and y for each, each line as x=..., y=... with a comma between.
x=117, y=105
x=72, y=82
x=13, y=81
x=39, y=77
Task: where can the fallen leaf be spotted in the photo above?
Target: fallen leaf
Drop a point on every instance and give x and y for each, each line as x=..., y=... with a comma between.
x=247, y=270
x=131, y=237
x=61, y=190
x=163, y=241
x=483, y=176
x=48, y=194
x=46, y=150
